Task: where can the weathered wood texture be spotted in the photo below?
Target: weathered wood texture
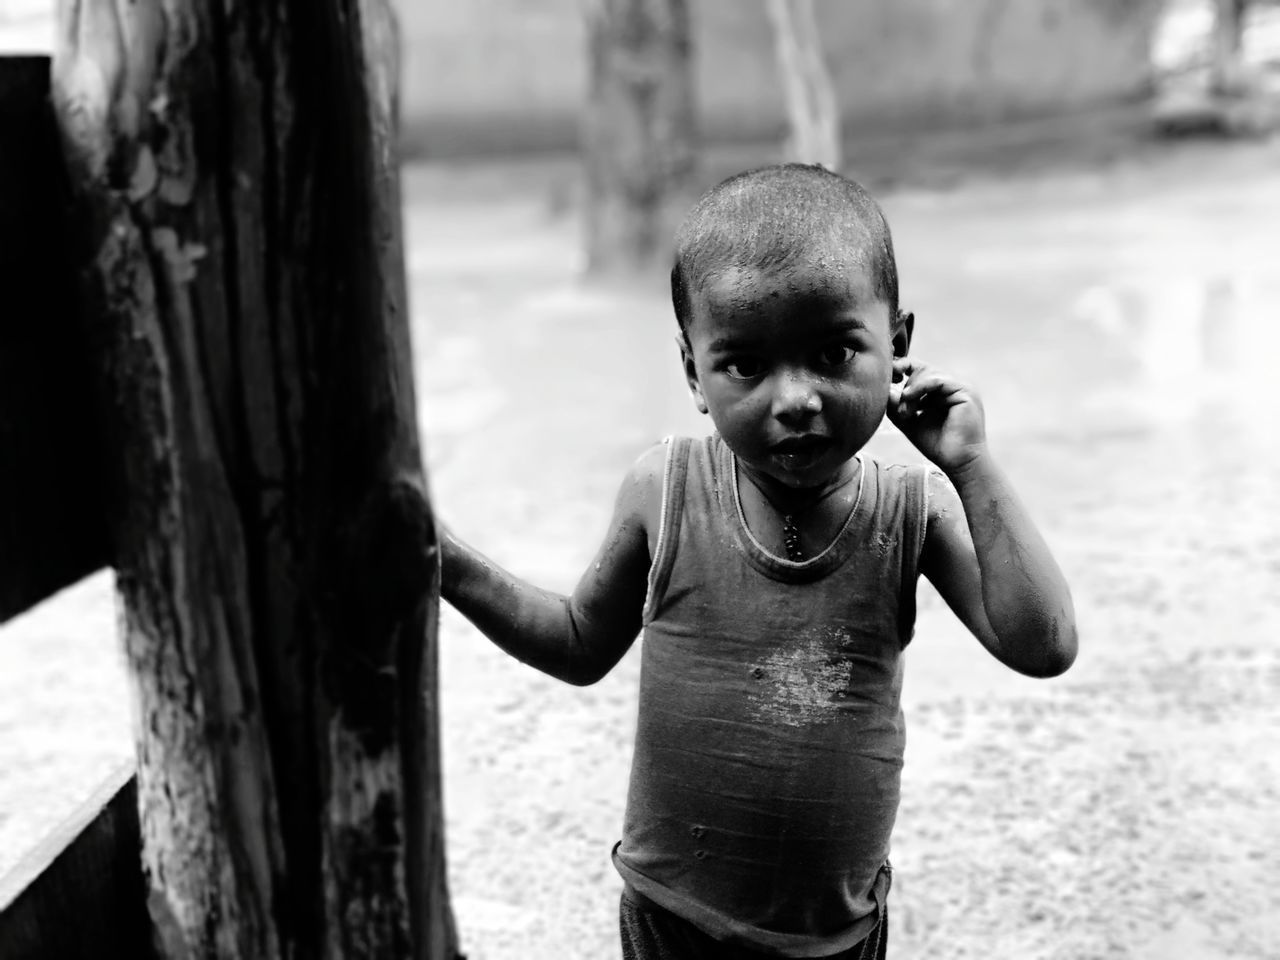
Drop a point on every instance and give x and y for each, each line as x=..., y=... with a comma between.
x=275, y=549
x=813, y=114
x=638, y=130
x=79, y=893
x=51, y=527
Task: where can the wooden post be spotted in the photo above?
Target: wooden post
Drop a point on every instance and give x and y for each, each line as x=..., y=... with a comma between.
x=638, y=130
x=1227, y=75
x=812, y=110
x=273, y=541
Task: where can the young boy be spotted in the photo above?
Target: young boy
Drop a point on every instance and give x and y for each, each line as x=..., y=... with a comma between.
x=772, y=568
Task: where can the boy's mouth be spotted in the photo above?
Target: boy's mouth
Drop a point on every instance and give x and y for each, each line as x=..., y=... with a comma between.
x=797, y=453
x=803, y=444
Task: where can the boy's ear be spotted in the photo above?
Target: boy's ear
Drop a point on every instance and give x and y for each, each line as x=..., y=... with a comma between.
x=690, y=371
x=904, y=326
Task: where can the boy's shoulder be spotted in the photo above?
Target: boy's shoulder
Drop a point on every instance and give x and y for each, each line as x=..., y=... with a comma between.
x=924, y=481
x=640, y=497
x=914, y=481
x=652, y=462
x=891, y=470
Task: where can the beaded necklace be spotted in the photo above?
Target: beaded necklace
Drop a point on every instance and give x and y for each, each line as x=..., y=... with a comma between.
x=790, y=529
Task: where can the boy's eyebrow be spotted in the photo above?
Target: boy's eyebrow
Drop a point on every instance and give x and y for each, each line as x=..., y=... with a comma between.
x=743, y=341
x=856, y=323
x=720, y=344
x=844, y=321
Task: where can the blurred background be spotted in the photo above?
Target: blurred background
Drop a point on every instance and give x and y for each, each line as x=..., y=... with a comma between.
x=1085, y=200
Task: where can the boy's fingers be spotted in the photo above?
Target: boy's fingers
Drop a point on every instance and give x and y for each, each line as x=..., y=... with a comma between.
x=931, y=384
x=921, y=388
x=902, y=367
x=895, y=406
x=920, y=384
x=898, y=414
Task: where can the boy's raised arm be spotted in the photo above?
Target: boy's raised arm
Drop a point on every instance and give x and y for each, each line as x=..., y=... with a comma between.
x=986, y=558
x=577, y=638
x=982, y=550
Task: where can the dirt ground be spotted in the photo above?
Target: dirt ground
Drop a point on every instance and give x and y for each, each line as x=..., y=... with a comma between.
x=1117, y=316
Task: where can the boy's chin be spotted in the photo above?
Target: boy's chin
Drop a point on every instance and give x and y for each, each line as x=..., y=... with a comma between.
x=802, y=473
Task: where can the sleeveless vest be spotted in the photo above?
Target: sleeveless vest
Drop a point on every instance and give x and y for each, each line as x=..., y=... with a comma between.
x=770, y=737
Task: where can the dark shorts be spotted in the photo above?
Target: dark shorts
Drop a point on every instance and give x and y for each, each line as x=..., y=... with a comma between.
x=651, y=933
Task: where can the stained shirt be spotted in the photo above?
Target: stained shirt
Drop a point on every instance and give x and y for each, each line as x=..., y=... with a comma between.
x=769, y=744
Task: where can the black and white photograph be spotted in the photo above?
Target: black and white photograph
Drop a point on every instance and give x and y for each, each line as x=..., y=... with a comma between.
x=639, y=479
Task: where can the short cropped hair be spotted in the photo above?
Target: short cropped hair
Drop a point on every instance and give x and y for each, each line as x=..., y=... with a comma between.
x=777, y=216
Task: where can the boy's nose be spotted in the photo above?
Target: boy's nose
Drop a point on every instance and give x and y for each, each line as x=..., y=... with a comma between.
x=796, y=397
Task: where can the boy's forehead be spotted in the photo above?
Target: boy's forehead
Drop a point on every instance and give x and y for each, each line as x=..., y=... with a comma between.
x=844, y=275
x=734, y=300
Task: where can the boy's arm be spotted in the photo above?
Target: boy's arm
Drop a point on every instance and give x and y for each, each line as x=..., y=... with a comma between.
x=982, y=551
x=988, y=561
x=577, y=638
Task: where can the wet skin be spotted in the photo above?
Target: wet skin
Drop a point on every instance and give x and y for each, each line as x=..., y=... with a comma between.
x=797, y=369
x=794, y=367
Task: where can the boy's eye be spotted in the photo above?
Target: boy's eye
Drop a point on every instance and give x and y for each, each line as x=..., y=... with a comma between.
x=743, y=368
x=836, y=356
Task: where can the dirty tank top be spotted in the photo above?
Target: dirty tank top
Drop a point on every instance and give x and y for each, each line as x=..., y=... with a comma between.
x=770, y=737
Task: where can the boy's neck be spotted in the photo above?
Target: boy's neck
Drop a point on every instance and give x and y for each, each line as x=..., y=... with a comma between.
x=796, y=501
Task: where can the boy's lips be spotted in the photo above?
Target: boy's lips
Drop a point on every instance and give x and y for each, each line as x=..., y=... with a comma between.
x=801, y=444
x=798, y=453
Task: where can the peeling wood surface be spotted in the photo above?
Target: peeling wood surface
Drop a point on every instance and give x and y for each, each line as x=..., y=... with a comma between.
x=275, y=548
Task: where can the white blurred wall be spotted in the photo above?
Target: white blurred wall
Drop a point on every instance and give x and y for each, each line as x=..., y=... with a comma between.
x=501, y=74
x=26, y=26
x=496, y=75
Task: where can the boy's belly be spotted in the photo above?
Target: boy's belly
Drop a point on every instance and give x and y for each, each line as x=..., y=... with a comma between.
x=765, y=791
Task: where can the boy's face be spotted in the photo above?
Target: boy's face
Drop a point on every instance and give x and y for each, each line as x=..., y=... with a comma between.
x=793, y=365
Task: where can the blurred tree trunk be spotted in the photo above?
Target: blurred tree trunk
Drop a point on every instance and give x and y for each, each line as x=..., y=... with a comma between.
x=272, y=537
x=812, y=111
x=638, y=130
x=1227, y=74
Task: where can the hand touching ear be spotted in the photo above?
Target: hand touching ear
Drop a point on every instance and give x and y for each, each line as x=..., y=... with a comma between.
x=940, y=415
